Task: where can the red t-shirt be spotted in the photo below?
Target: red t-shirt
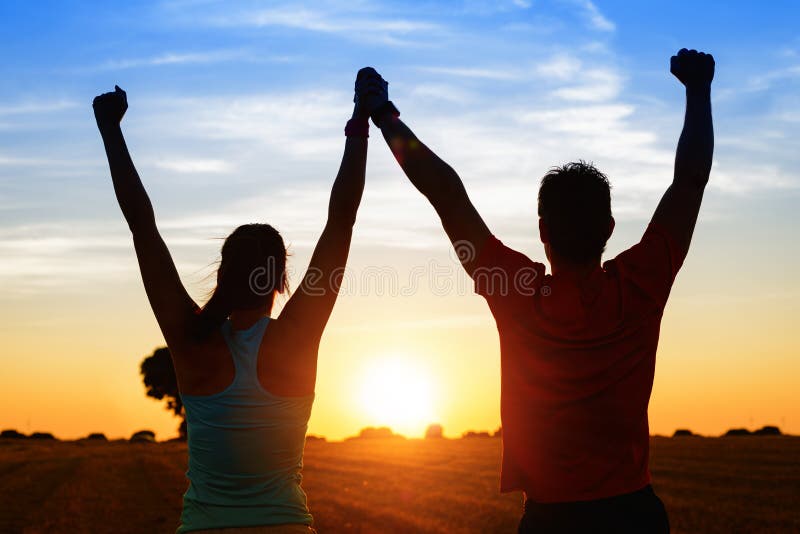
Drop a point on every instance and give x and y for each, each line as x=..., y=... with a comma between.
x=577, y=363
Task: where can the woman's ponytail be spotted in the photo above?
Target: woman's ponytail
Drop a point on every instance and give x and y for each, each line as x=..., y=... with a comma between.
x=211, y=316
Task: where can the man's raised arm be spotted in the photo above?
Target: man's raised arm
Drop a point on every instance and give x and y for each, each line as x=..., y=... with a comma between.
x=677, y=212
x=430, y=175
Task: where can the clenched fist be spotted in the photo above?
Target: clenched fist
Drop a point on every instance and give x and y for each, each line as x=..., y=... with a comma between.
x=109, y=108
x=692, y=68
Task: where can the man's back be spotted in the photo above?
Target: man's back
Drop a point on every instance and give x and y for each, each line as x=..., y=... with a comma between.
x=577, y=359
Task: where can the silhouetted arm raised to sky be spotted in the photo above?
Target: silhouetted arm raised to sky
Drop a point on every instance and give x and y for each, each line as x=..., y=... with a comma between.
x=305, y=315
x=172, y=305
x=435, y=179
x=677, y=212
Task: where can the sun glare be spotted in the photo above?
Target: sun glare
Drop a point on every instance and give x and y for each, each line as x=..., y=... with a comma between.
x=397, y=392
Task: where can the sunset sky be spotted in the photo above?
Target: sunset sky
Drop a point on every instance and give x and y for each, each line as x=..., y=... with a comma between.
x=236, y=115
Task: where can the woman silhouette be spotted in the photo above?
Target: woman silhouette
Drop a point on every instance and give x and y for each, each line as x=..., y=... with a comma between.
x=246, y=380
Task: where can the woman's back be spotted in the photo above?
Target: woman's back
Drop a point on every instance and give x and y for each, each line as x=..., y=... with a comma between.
x=245, y=447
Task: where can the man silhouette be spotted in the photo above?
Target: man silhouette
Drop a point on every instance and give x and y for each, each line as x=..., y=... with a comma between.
x=578, y=345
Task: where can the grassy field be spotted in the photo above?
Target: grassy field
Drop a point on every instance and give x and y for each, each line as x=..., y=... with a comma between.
x=747, y=484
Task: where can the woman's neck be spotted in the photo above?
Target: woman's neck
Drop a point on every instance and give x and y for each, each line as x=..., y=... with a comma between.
x=244, y=319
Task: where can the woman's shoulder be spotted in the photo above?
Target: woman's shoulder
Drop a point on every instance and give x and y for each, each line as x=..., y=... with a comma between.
x=287, y=361
x=203, y=367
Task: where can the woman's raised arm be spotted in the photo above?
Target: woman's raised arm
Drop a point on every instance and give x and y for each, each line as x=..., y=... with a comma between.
x=173, y=308
x=304, y=317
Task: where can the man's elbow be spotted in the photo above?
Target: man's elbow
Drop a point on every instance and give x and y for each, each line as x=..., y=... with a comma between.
x=448, y=188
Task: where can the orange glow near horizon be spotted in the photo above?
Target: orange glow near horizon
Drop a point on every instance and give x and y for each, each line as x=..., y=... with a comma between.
x=727, y=352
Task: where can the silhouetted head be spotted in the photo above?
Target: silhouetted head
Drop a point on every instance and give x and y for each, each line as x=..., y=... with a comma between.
x=251, y=271
x=575, y=219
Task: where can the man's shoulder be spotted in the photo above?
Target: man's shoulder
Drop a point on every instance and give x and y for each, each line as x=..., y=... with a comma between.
x=502, y=271
x=650, y=265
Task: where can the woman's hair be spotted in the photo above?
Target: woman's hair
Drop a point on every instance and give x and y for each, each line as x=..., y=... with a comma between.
x=252, y=269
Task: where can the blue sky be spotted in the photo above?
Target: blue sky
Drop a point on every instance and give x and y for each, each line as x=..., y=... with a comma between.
x=233, y=100
x=236, y=114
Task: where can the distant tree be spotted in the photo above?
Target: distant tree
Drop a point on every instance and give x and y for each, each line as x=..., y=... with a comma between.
x=737, y=432
x=312, y=437
x=434, y=432
x=682, y=432
x=768, y=431
x=159, y=378
x=12, y=434
x=147, y=436
x=472, y=434
x=377, y=433
x=42, y=435
x=97, y=436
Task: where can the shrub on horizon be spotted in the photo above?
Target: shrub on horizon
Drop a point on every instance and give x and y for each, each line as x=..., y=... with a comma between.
x=143, y=436
x=42, y=435
x=12, y=434
x=682, y=432
x=96, y=436
x=768, y=431
x=737, y=432
x=434, y=431
x=472, y=434
x=382, y=432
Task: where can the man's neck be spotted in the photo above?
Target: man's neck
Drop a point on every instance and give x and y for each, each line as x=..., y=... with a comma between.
x=574, y=271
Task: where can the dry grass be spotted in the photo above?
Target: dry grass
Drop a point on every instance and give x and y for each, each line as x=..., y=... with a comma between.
x=749, y=484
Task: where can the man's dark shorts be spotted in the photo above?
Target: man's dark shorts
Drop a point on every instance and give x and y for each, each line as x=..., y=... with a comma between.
x=640, y=512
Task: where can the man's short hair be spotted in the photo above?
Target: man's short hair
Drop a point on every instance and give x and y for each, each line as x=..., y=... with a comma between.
x=575, y=204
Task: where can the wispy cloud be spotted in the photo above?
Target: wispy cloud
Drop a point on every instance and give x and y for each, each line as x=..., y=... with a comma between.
x=745, y=178
x=46, y=162
x=484, y=7
x=771, y=81
x=24, y=108
x=562, y=73
x=476, y=72
x=295, y=123
x=49, y=255
x=347, y=23
x=595, y=85
x=561, y=66
x=596, y=19
x=195, y=165
x=173, y=58
x=792, y=116
x=767, y=80
x=580, y=120
x=441, y=91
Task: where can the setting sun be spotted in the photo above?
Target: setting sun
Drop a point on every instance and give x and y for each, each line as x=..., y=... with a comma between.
x=397, y=392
